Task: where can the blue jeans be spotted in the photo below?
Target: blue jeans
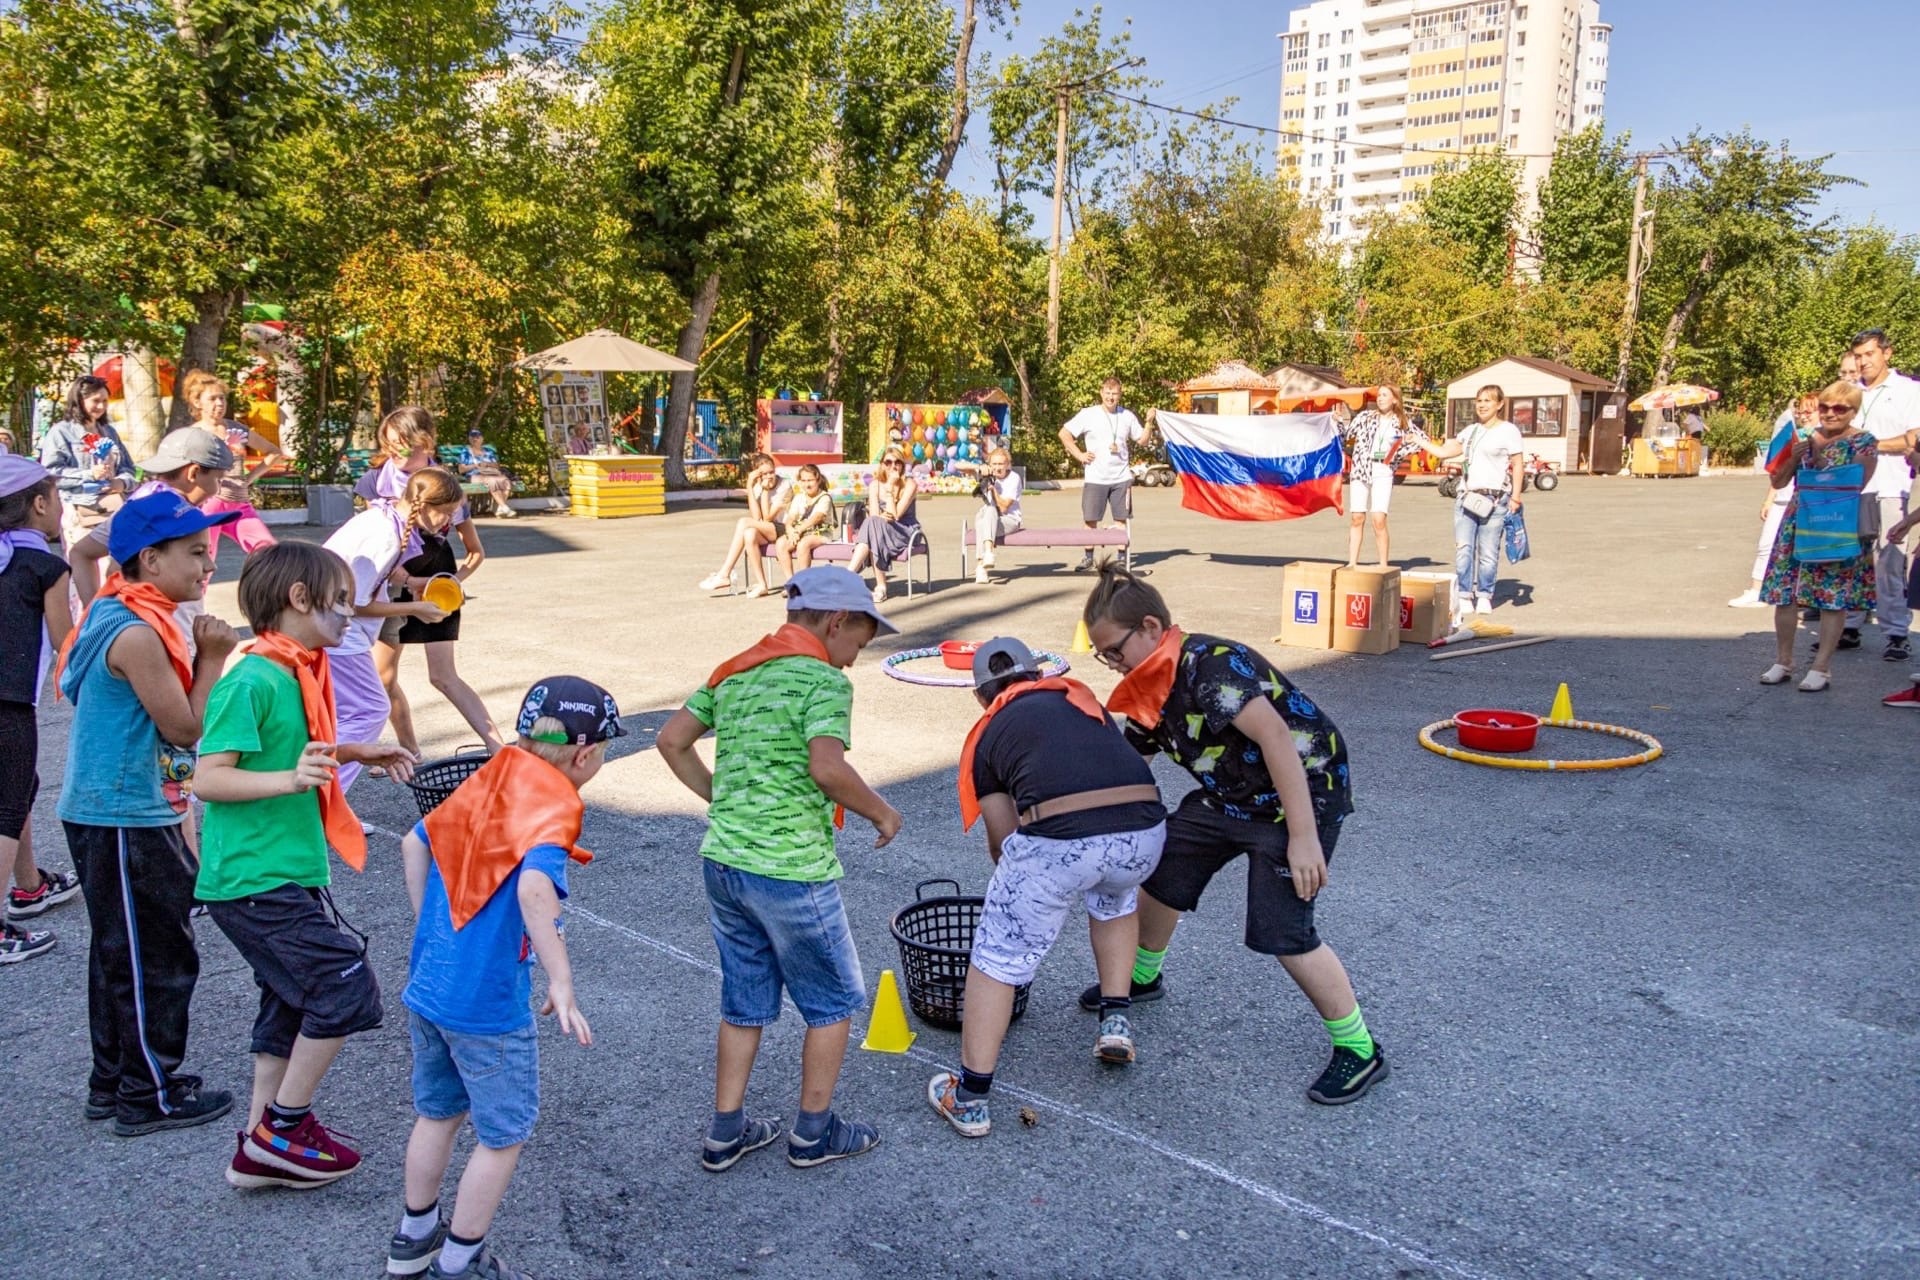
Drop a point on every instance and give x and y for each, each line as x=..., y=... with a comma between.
x=773, y=933
x=494, y=1078
x=1476, y=550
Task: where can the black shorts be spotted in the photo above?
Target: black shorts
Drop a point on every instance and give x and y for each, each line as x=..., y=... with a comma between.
x=314, y=976
x=19, y=768
x=1116, y=499
x=436, y=556
x=1200, y=842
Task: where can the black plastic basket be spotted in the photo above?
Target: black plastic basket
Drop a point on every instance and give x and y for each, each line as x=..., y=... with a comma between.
x=936, y=939
x=435, y=780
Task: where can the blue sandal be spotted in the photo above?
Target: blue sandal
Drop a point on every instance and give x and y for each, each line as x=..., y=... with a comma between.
x=843, y=1138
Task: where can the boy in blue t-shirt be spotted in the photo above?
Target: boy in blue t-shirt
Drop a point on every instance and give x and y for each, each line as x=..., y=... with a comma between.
x=486, y=872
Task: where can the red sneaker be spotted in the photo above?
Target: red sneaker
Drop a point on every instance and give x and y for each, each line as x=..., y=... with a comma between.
x=249, y=1174
x=1909, y=698
x=306, y=1149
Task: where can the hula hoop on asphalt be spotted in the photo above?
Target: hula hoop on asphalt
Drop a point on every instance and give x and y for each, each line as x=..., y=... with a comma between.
x=1653, y=749
x=1051, y=664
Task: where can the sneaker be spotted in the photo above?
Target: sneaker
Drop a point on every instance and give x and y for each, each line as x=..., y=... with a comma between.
x=1907, y=699
x=1850, y=638
x=484, y=1265
x=17, y=944
x=1142, y=993
x=1776, y=674
x=980, y=578
x=55, y=888
x=306, y=1149
x=409, y=1257
x=1348, y=1076
x=880, y=593
x=972, y=1119
x=1086, y=562
x=718, y=1157
x=1747, y=600
x=842, y=1140
x=755, y=591
x=1815, y=682
x=249, y=1174
x=714, y=581
x=188, y=1105
x=1483, y=604
x=1897, y=650
x=101, y=1105
x=1115, y=1042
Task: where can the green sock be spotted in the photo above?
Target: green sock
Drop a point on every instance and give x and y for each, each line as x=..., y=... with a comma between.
x=1350, y=1032
x=1146, y=964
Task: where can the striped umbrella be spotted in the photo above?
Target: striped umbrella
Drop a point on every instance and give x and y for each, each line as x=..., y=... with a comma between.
x=1678, y=396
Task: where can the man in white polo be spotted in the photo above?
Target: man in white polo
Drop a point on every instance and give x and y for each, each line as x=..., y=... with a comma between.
x=1889, y=409
x=1098, y=438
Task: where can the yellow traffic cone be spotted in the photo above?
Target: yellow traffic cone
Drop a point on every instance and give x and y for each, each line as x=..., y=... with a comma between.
x=1562, y=704
x=1082, y=642
x=887, y=1030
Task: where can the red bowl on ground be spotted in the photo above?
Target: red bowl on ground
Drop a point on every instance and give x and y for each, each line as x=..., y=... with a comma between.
x=958, y=654
x=1487, y=729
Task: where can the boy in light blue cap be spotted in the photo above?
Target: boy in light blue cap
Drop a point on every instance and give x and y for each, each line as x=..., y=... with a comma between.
x=782, y=714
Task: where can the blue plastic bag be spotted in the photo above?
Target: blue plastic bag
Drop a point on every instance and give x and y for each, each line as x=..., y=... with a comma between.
x=1518, y=548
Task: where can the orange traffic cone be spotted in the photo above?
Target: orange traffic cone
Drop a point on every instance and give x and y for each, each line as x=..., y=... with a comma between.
x=887, y=1030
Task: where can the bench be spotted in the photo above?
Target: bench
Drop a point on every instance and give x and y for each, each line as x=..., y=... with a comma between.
x=479, y=497
x=1077, y=536
x=840, y=551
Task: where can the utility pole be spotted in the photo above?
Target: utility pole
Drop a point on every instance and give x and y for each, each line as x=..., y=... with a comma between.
x=1635, y=248
x=1062, y=96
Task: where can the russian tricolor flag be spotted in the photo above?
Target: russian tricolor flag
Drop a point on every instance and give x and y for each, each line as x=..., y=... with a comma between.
x=1783, y=437
x=1259, y=467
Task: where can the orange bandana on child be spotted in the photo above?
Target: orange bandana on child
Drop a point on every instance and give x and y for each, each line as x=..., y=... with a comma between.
x=315, y=676
x=791, y=640
x=1142, y=693
x=149, y=604
x=515, y=802
x=1080, y=697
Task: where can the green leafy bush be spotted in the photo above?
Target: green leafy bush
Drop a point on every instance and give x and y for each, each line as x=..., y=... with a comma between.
x=1734, y=437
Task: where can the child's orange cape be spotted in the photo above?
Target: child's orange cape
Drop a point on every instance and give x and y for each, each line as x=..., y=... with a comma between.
x=1078, y=695
x=149, y=604
x=315, y=677
x=791, y=641
x=479, y=835
x=1142, y=694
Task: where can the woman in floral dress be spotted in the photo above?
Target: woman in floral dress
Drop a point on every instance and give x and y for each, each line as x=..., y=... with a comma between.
x=1831, y=586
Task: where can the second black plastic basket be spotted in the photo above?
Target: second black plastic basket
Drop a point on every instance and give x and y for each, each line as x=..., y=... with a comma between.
x=936, y=938
x=435, y=780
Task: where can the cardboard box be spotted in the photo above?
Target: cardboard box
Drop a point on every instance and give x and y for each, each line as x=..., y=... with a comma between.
x=1426, y=606
x=1306, y=604
x=1366, y=610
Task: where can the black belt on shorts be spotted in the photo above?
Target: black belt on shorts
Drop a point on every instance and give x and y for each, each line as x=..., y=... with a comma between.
x=1080, y=801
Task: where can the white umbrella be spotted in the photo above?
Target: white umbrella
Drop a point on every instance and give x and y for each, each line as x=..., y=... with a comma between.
x=604, y=351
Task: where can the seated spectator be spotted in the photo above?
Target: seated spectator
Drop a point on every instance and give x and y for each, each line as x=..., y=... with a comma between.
x=760, y=527
x=887, y=533
x=809, y=521
x=479, y=463
x=999, y=512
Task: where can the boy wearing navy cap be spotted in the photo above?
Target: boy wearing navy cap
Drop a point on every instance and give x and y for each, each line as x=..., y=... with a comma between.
x=486, y=872
x=782, y=714
x=138, y=694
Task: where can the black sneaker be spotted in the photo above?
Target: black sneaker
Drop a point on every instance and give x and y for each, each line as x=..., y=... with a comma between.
x=1141, y=992
x=409, y=1257
x=102, y=1105
x=1898, y=650
x=1850, y=638
x=18, y=944
x=190, y=1105
x=1348, y=1076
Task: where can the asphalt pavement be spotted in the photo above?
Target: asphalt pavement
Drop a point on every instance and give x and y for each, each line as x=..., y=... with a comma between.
x=1653, y=1022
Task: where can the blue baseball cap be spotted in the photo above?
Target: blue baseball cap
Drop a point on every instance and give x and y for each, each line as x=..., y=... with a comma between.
x=156, y=518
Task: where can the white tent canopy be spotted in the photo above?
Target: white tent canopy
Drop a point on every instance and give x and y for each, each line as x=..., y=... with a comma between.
x=604, y=351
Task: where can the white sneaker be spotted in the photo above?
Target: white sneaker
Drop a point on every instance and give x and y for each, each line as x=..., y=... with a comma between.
x=1483, y=604
x=715, y=581
x=1776, y=674
x=1747, y=600
x=980, y=577
x=880, y=593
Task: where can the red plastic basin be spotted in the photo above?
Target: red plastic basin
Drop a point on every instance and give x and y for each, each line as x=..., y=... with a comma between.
x=958, y=654
x=1489, y=729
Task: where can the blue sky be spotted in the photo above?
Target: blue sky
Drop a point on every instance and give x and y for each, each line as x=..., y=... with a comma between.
x=1718, y=64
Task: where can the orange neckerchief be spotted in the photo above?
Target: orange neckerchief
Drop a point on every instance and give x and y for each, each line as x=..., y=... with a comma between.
x=149, y=604
x=513, y=803
x=791, y=641
x=1142, y=693
x=311, y=669
x=1079, y=697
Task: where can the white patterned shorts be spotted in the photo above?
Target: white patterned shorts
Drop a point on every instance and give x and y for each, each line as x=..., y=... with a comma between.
x=1035, y=886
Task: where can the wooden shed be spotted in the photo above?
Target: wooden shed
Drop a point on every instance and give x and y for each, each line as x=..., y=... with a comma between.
x=1557, y=407
x=1230, y=387
x=1296, y=378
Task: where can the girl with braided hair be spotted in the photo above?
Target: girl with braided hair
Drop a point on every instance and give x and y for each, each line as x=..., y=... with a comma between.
x=372, y=544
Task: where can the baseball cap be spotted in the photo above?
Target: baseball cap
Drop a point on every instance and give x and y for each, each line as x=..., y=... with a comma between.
x=1022, y=658
x=185, y=447
x=587, y=711
x=19, y=472
x=158, y=517
x=831, y=588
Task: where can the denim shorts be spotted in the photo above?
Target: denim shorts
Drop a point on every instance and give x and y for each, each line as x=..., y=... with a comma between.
x=773, y=933
x=495, y=1078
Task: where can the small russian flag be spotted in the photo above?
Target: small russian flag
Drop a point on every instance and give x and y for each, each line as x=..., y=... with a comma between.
x=1255, y=467
x=1782, y=441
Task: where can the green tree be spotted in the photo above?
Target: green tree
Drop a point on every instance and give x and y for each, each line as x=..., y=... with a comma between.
x=1586, y=208
x=1476, y=204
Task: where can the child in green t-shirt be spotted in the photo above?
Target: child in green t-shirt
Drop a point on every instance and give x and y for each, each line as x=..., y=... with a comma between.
x=273, y=806
x=781, y=713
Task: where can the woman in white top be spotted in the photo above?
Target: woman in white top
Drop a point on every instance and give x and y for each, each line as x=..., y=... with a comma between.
x=1492, y=457
x=1374, y=436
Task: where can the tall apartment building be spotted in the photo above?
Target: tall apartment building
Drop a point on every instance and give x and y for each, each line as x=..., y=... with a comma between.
x=1374, y=94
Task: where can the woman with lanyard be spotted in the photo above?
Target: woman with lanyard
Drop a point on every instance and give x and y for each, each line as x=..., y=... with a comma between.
x=407, y=442
x=1494, y=467
x=887, y=533
x=1374, y=438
